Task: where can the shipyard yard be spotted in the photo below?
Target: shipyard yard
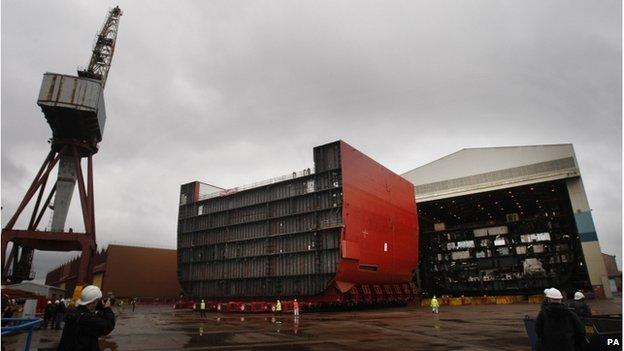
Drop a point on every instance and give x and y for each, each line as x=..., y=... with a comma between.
x=257, y=160
x=477, y=327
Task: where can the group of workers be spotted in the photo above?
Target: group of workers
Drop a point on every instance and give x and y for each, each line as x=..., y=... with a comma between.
x=52, y=316
x=277, y=308
x=54, y=313
x=558, y=325
x=84, y=323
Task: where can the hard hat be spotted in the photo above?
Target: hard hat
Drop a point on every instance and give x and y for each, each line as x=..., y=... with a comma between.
x=49, y=302
x=89, y=294
x=578, y=295
x=553, y=293
x=434, y=296
x=57, y=301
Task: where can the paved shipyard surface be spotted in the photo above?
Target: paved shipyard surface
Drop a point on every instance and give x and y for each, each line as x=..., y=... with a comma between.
x=485, y=327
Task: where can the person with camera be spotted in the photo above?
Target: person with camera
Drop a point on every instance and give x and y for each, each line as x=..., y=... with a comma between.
x=84, y=324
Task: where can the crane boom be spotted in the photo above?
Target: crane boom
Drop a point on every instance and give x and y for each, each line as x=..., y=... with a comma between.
x=104, y=48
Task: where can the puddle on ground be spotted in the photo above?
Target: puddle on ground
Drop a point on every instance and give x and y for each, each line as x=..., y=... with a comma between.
x=295, y=347
x=209, y=339
x=517, y=340
x=454, y=320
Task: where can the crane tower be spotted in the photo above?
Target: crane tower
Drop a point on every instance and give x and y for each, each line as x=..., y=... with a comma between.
x=74, y=108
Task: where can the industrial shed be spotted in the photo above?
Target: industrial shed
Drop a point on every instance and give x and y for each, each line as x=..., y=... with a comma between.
x=506, y=220
x=126, y=271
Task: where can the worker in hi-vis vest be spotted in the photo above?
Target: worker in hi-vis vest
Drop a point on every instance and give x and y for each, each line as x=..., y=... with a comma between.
x=435, y=305
x=202, y=309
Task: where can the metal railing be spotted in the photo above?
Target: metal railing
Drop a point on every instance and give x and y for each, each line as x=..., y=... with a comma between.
x=292, y=175
x=18, y=325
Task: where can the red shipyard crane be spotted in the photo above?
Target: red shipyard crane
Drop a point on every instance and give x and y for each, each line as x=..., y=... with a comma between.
x=74, y=108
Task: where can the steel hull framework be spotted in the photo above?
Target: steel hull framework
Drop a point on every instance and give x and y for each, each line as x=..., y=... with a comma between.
x=345, y=233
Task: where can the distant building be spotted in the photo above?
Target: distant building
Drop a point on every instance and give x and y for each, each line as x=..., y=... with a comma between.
x=506, y=220
x=615, y=275
x=126, y=271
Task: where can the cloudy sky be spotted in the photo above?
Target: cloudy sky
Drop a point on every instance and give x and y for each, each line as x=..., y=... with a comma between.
x=232, y=92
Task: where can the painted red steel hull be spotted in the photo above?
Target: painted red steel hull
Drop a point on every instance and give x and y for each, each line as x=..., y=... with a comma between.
x=381, y=225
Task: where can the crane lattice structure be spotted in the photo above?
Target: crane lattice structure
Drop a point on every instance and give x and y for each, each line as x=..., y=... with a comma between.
x=74, y=108
x=103, y=49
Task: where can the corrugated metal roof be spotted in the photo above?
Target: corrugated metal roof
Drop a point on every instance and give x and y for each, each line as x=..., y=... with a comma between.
x=475, y=161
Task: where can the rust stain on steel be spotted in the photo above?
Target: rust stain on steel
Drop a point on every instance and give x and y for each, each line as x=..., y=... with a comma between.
x=73, y=93
x=51, y=89
x=60, y=88
x=83, y=94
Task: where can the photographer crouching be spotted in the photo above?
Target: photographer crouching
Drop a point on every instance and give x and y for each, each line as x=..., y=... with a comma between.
x=84, y=324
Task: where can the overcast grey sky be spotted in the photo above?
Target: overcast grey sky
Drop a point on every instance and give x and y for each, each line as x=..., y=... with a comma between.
x=233, y=92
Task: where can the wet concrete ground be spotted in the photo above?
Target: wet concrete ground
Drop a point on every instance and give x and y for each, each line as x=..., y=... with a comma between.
x=486, y=327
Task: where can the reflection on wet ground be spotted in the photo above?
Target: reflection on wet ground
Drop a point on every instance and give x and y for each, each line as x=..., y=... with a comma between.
x=484, y=327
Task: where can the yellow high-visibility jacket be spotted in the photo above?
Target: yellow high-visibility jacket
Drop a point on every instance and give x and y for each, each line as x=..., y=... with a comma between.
x=434, y=303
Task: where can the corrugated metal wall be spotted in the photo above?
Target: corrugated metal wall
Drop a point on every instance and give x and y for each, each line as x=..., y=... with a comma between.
x=126, y=271
x=66, y=274
x=280, y=239
x=141, y=272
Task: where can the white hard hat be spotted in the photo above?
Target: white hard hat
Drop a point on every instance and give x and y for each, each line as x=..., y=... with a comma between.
x=89, y=294
x=57, y=301
x=553, y=293
x=578, y=295
x=49, y=302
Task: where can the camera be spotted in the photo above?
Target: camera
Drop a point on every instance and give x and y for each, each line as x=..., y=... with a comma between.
x=102, y=302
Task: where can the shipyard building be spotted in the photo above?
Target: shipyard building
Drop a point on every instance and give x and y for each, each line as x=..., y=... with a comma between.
x=506, y=220
x=127, y=272
x=343, y=231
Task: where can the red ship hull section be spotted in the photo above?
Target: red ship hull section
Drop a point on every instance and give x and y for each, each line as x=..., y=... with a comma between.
x=380, y=240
